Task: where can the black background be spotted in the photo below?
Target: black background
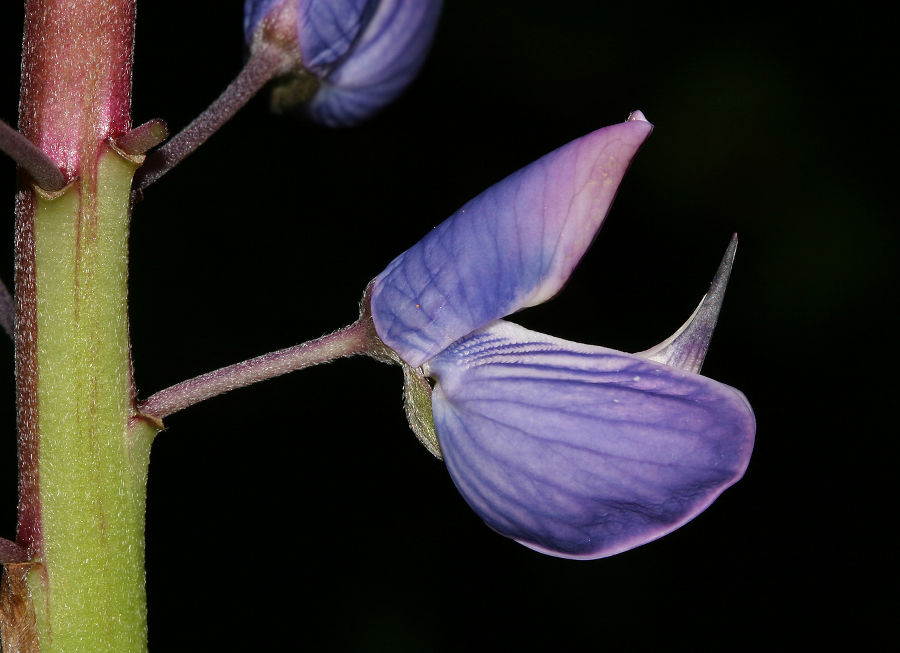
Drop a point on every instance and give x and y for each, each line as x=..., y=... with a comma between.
x=302, y=512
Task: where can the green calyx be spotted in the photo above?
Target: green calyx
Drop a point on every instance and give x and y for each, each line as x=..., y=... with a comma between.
x=417, y=402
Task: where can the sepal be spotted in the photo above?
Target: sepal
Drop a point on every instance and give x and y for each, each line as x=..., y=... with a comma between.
x=417, y=404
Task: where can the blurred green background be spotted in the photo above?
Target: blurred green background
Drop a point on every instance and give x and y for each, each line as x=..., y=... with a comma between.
x=303, y=513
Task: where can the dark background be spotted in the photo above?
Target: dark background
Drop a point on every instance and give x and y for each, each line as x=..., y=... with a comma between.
x=302, y=512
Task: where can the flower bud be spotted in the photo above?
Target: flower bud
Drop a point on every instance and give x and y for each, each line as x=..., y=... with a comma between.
x=353, y=57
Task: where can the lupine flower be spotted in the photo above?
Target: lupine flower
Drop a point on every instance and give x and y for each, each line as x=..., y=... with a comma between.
x=573, y=450
x=360, y=54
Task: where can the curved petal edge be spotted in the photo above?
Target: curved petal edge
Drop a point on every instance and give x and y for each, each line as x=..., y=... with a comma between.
x=579, y=451
x=383, y=61
x=513, y=246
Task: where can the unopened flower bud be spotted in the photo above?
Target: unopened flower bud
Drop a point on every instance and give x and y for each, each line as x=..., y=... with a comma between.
x=352, y=57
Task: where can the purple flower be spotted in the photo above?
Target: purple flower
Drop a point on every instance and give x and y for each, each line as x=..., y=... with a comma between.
x=573, y=450
x=362, y=53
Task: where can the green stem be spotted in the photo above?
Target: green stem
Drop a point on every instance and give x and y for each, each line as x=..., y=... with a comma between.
x=83, y=454
x=88, y=589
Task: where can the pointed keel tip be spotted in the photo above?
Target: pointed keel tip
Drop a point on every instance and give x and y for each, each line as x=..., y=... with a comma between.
x=717, y=288
x=687, y=347
x=636, y=115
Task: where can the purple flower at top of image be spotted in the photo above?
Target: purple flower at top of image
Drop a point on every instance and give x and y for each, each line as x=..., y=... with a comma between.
x=574, y=450
x=361, y=54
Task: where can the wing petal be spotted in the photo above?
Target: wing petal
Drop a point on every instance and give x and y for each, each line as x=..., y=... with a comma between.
x=581, y=451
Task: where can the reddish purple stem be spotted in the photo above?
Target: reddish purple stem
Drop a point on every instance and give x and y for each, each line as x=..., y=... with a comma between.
x=261, y=67
x=30, y=158
x=358, y=338
x=7, y=311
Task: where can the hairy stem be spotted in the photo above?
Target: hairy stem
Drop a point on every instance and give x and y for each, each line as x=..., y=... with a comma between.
x=82, y=463
x=358, y=338
x=260, y=68
x=30, y=158
x=143, y=138
x=7, y=311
